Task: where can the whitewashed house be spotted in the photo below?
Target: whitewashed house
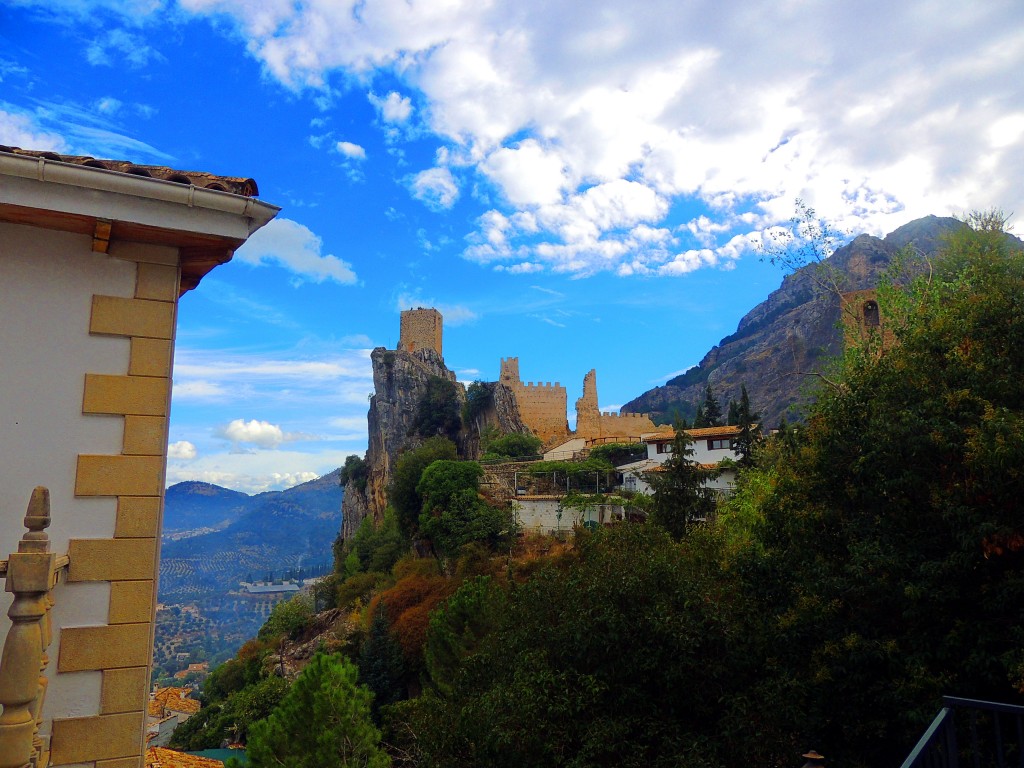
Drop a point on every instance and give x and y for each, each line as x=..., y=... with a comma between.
x=710, y=445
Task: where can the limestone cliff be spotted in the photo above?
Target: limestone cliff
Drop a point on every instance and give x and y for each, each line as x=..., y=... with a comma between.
x=781, y=342
x=400, y=381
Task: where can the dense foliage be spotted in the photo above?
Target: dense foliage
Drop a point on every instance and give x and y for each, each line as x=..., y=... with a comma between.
x=355, y=472
x=512, y=446
x=438, y=411
x=322, y=722
x=403, y=495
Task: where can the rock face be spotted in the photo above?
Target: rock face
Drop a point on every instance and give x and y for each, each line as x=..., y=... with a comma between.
x=400, y=381
x=781, y=343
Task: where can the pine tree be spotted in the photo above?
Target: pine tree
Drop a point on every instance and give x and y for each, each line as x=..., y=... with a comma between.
x=709, y=413
x=750, y=430
x=381, y=664
x=322, y=722
x=680, y=495
x=734, y=414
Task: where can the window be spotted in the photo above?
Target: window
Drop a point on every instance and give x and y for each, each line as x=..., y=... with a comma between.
x=871, y=318
x=664, y=447
x=717, y=445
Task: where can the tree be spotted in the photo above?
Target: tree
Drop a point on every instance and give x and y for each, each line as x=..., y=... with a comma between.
x=459, y=627
x=322, y=722
x=750, y=429
x=619, y=453
x=438, y=409
x=709, y=413
x=478, y=400
x=375, y=548
x=894, y=532
x=288, y=618
x=513, y=445
x=381, y=663
x=355, y=472
x=680, y=494
x=402, y=493
x=612, y=656
x=453, y=512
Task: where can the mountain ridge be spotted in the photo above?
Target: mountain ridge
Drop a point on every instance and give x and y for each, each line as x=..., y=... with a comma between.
x=789, y=337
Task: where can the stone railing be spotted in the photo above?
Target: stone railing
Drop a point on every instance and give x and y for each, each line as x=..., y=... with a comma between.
x=31, y=573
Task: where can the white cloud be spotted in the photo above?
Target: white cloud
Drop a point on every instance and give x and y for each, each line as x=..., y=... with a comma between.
x=262, y=434
x=120, y=45
x=350, y=150
x=351, y=423
x=321, y=379
x=19, y=130
x=435, y=187
x=197, y=389
x=258, y=471
x=108, y=105
x=393, y=108
x=182, y=449
x=295, y=247
x=527, y=175
x=454, y=314
x=727, y=111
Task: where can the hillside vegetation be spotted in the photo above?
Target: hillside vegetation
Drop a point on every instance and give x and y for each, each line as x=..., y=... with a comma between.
x=869, y=562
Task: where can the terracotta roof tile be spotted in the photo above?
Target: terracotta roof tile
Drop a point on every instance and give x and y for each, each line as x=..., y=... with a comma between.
x=696, y=434
x=234, y=185
x=159, y=757
x=174, y=699
x=188, y=706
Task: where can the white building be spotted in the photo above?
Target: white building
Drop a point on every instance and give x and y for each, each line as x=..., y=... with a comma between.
x=710, y=445
x=94, y=255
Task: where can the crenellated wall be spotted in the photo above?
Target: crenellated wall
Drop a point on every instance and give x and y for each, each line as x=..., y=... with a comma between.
x=542, y=407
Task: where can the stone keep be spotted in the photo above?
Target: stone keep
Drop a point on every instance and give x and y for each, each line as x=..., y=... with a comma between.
x=420, y=329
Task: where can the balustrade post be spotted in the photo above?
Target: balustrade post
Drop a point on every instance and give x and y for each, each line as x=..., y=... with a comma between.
x=31, y=573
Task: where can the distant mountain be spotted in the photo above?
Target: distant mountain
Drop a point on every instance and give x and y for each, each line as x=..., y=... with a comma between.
x=193, y=505
x=782, y=341
x=280, y=534
x=269, y=532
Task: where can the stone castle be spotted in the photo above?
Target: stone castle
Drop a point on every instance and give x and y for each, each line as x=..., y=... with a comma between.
x=542, y=407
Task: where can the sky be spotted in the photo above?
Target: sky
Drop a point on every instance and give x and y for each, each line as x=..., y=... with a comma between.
x=579, y=185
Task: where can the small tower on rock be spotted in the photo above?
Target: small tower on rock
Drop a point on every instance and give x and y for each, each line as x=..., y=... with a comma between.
x=420, y=329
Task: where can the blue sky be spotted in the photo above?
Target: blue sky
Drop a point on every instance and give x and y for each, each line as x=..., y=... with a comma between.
x=581, y=185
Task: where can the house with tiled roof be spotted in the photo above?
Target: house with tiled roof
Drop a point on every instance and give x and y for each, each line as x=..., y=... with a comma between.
x=158, y=757
x=177, y=701
x=94, y=257
x=710, y=446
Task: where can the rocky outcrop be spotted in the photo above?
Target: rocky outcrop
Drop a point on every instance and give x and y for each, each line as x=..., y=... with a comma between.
x=784, y=341
x=400, y=381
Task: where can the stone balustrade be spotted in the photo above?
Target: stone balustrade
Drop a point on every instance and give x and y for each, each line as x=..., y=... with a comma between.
x=31, y=575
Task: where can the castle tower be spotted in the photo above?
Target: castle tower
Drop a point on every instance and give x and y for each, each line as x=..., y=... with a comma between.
x=420, y=329
x=509, y=371
x=588, y=413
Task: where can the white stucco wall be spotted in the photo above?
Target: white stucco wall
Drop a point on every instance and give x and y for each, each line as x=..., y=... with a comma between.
x=47, y=281
x=540, y=515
